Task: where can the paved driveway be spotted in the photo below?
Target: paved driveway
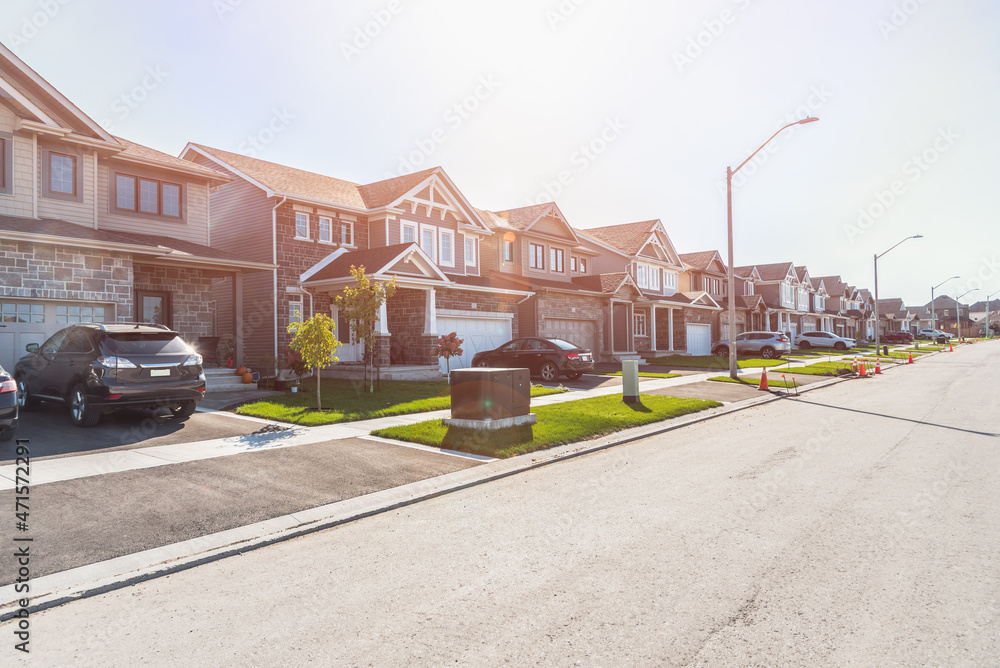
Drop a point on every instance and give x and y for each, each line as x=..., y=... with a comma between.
x=52, y=434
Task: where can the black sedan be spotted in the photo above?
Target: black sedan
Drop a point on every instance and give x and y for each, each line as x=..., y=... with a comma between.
x=8, y=406
x=548, y=358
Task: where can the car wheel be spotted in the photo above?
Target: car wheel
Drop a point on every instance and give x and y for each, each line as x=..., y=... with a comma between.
x=840, y=345
x=805, y=345
x=574, y=376
x=767, y=352
x=80, y=410
x=184, y=410
x=722, y=351
x=25, y=401
x=549, y=372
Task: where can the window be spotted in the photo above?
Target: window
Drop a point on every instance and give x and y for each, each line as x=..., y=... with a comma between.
x=67, y=314
x=583, y=266
x=642, y=276
x=787, y=294
x=409, y=233
x=573, y=266
x=556, y=259
x=76, y=341
x=654, y=278
x=470, y=252
x=748, y=288
x=508, y=250
x=640, y=324
x=325, y=230
x=62, y=173
x=536, y=256
x=147, y=196
x=447, y=241
x=295, y=309
x=6, y=163
x=428, y=241
x=347, y=233
x=301, y=225
x=23, y=312
x=820, y=303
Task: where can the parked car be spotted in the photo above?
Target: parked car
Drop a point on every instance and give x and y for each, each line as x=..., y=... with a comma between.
x=934, y=335
x=97, y=368
x=766, y=344
x=548, y=358
x=896, y=337
x=8, y=406
x=823, y=340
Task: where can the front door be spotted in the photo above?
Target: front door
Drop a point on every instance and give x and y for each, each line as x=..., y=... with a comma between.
x=351, y=350
x=153, y=307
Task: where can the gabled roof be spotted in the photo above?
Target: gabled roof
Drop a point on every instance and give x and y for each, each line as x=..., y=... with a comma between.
x=702, y=260
x=524, y=218
x=892, y=309
x=606, y=283
x=630, y=239
x=385, y=193
x=376, y=261
x=746, y=302
x=749, y=273
x=138, y=153
x=834, y=286
x=776, y=271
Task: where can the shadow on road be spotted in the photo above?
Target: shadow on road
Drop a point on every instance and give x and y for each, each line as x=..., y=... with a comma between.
x=896, y=417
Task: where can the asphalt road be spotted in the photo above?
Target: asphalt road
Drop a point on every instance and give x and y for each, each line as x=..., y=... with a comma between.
x=858, y=525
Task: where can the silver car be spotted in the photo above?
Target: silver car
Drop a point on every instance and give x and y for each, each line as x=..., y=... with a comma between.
x=766, y=344
x=823, y=340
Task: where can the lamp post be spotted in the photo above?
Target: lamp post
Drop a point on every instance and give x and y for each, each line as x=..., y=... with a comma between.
x=986, y=331
x=933, y=314
x=877, y=323
x=732, y=269
x=958, y=313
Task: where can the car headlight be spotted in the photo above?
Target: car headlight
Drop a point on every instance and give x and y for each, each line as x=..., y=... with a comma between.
x=193, y=360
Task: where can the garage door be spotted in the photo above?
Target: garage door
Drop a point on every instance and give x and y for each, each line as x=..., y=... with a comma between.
x=24, y=321
x=581, y=332
x=478, y=334
x=699, y=339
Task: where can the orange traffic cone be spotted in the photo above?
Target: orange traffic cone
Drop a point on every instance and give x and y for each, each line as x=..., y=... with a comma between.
x=863, y=373
x=763, y=380
x=911, y=359
x=878, y=366
x=951, y=349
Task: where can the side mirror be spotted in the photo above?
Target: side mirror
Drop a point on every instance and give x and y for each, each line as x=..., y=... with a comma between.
x=31, y=347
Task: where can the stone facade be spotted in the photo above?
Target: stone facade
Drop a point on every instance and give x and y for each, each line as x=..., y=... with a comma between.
x=192, y=306
x=42, y=271
x=689, y=316
x=407, y=311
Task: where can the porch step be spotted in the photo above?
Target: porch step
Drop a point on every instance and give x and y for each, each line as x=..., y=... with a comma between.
x=225, y=380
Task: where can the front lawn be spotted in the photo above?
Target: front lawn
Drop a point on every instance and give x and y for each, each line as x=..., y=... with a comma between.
x=821, y=369
x=642, y=374
x=711, y=362
x=347, y=401
x=566, y=422
x=755, y=382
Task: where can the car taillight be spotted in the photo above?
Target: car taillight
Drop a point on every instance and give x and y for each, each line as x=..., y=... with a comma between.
x=572, y=356
x=8, y=386
x=193, y=360
x=115, y=362
x=782, y=339
x=113, y=396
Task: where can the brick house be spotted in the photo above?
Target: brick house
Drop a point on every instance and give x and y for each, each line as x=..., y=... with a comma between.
x=705, y=271
x=836, y=305
x=783, y=292
x=666, y=319
x=419, y=228
x=95, y=228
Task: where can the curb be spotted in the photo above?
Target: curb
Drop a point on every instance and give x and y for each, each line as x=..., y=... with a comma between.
x=118, y=573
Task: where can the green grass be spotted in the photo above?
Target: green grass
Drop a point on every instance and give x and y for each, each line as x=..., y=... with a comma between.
x=642, y=374
x=566, y=422
x=755, y=382
x=821, y=369
x=346, y=401
x=711, y=362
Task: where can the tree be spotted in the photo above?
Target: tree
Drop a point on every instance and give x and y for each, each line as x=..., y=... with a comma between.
x=995, y=326
x=448, y=346
x=360, y=304
x=316, y=342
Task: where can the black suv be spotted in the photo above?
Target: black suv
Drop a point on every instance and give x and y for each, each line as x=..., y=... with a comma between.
x=98, y=368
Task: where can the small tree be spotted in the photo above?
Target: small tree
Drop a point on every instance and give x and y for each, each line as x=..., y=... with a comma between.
x=360, y=305
x=316, y=342
x=449, y=346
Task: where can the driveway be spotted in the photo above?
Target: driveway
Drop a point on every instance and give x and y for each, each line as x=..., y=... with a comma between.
x=52, y=434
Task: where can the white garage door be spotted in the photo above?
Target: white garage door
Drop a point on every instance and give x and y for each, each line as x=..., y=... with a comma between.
x=581, y=332
x=478, y=334
x=699, y=339
x=25, y=321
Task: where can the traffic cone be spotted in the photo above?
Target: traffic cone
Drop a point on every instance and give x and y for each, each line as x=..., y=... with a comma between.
x=878, y=367
x=911, y=359
x=863, y=373
x=951, y=349
x=763, y=380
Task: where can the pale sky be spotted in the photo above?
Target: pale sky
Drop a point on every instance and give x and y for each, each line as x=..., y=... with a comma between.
x=507, y=96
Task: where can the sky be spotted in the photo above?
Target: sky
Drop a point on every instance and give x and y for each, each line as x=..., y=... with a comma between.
x=617, y=111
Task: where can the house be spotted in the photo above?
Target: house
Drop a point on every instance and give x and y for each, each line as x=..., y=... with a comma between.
x=980, y=310
x=866, y=330
x=780, y=286
x=808, y=319
x=943, y=316
x=706, y=271
x=419, y=228
x=96, y=228
x=836, y=304
x=665, y=318
x=894, y=316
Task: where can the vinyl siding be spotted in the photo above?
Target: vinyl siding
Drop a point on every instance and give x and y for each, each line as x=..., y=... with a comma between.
x=18, y=203
x=81, y=213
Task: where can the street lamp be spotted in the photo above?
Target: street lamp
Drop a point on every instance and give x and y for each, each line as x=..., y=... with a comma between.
x=877, y=323
x=986, y=331
x=958, y=311
x=732, y=269
x=933, y=314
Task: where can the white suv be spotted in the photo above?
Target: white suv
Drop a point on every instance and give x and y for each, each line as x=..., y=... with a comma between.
x=823, y=340
x=934, y=335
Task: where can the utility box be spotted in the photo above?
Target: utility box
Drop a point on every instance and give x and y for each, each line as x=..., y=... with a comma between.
x=486, y=398
x=630, y=381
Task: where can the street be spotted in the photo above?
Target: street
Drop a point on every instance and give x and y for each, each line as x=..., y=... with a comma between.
x=857, y=524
